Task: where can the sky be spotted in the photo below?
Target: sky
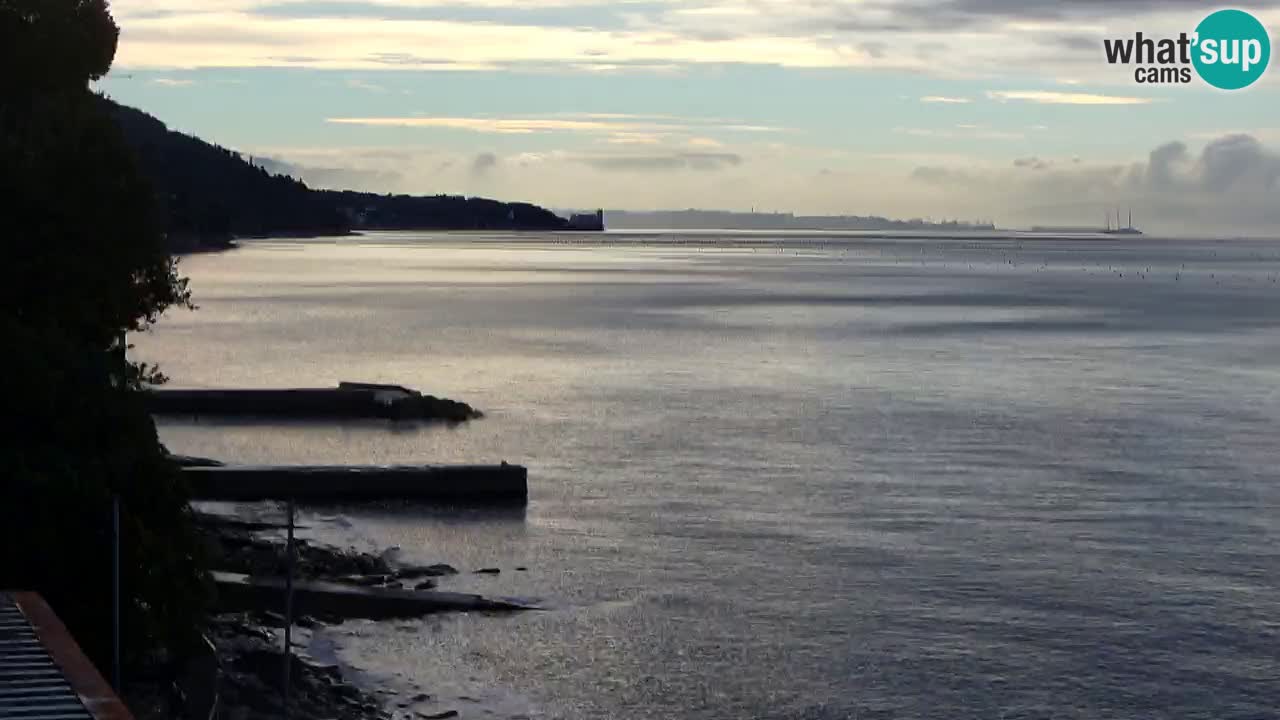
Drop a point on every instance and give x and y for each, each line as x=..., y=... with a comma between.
x=973, y=109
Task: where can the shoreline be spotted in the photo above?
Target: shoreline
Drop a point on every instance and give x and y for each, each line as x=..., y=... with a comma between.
x=180, y=245
x=240, y=671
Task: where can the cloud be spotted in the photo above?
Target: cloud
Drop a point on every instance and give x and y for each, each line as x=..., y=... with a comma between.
x=1049, y=97
x=1238, y=163
x=1078, y=42
x=483, y=163
x=1031, y=163
x=680, y=160
x=621, y=128
x=332, y=178
x=514, y=126
x=964, y=130
x=241, y=37
x=1270, y=135
x=941, y=176
x=951, y=37
x=1231, y=184
x=1165, y=164
x=635, y=138
x=359, y=84
x=875, y=49
x=965, y=15
x=704, y=142
x=944, y=99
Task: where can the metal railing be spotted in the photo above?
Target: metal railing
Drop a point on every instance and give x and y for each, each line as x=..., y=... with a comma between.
x=32, y=686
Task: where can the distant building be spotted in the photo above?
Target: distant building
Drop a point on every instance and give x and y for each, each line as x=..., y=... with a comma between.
x=587, y=221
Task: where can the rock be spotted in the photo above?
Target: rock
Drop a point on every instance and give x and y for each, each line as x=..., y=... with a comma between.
x=365, y=580
x=333, y=672
x=421, y=697
x=488, y=571
x=425, y=585
x=438, y=716
x=274, y=619
x=193, y=461
x=308, y=622
x=240, y=627
x=521, y=569
x=414, y=571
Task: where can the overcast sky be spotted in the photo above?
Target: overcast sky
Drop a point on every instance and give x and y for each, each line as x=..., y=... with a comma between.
x=965, y=108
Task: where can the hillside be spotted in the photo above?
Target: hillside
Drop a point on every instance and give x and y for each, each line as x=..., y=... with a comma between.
x=438, y=212
x=206, y=195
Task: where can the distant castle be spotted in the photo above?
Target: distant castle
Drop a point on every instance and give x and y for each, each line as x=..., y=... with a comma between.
x=587, y=221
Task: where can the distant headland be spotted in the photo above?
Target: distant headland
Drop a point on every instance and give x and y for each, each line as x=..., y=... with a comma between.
x=692, y=219
x=207, y=195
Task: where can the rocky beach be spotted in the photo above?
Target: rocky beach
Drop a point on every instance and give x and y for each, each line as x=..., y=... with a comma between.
x=240, y=675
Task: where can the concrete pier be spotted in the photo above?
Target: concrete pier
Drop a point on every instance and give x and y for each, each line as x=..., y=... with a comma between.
x=454, y=484
x=347, y=400
x=238, y=592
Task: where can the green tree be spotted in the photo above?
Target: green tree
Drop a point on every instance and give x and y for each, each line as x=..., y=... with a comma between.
x=84, y=262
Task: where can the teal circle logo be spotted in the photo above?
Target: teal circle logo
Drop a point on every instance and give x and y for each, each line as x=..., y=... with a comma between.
x=1232, y=49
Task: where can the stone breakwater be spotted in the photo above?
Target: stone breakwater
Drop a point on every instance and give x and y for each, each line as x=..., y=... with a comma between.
x=348, y=400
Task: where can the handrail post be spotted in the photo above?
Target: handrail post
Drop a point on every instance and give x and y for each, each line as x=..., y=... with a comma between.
x=115, y=593
x=288, y=609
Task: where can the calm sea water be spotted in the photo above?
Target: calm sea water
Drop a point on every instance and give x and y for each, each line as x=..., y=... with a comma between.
x=800, y=477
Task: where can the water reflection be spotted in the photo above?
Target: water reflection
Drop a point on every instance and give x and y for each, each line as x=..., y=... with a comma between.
x=872, y=478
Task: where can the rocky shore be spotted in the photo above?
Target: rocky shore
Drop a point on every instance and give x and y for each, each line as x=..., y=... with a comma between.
x=238, y=546
x=240, y=675
x=250, y=665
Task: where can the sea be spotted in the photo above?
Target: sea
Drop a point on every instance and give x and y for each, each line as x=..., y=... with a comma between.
x=804, y=475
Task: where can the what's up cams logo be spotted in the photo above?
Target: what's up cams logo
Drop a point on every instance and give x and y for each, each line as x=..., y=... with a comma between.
x=1229, y=50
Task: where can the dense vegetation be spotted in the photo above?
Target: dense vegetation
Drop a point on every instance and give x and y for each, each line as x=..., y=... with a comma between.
x=440, y=212
x=206, y=194
x=85, y=262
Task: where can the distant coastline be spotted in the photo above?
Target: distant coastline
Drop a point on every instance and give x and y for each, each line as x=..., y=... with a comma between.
x=186, y=243
x=1107, y=229
x=206, y=196
x=693, y=219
